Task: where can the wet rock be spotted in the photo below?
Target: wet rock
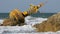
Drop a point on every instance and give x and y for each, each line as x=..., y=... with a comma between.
x=51, y=24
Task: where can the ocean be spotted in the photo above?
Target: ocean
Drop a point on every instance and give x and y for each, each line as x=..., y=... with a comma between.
x=29, y=20
x=43, y=15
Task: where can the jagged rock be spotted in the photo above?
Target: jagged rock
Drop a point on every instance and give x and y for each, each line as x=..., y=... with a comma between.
x=15, y=18
x=51, y=24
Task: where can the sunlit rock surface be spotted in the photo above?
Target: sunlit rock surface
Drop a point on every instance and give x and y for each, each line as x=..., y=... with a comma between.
x=15, y=18
x=51, y=24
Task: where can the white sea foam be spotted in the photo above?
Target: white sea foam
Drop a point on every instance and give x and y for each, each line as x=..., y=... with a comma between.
x=1, y=21
x=26, y=28
x=34, y=20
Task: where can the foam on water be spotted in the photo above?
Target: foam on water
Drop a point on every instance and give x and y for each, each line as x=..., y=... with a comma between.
x=23, y=29
x=34, y=20
x=26, y=28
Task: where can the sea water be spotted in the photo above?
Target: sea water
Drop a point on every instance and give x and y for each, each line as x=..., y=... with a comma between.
x=29, y=20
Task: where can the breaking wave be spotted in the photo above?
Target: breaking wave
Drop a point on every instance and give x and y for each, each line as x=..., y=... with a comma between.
x=23, y=29
x=34, y=20
x=26, y=28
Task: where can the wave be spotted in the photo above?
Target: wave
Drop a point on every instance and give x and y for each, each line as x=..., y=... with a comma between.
x=34, y=20
x=25, y=28
x=22, y=29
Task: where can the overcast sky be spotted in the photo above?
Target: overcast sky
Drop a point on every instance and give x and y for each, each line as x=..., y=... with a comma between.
x=51, y=6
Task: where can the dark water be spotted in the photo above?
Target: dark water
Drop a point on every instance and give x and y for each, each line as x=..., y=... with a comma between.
x=43, y=15
x=3, y=15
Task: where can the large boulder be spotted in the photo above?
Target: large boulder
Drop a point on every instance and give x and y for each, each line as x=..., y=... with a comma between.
x=51, y=24
x=15, y=18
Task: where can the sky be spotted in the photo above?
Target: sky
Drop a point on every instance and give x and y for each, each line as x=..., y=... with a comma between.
x=50, y=6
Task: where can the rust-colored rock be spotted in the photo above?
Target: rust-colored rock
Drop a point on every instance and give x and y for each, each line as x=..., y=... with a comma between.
x=51, y=24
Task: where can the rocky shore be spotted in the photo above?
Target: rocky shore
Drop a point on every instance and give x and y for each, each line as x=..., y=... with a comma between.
x=51, y=24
